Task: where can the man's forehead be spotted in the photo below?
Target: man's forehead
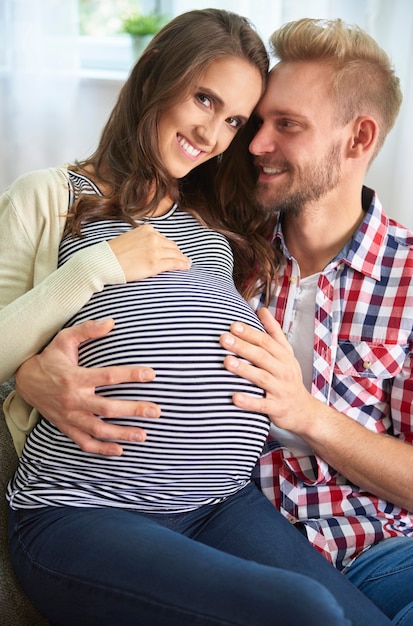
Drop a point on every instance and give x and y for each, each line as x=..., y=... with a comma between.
x=297, y=87
x=301, y=75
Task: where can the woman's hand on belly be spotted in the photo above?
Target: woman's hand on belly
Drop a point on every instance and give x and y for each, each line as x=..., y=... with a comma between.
x=64, y=393
x=143, y=252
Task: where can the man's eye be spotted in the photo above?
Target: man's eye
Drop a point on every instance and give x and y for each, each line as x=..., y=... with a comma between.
x=288, y=124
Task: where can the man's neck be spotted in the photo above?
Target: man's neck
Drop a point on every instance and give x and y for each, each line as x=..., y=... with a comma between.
x=318, y=234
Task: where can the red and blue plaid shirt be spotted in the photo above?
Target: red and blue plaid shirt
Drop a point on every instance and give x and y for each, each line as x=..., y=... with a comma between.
x=363, y=343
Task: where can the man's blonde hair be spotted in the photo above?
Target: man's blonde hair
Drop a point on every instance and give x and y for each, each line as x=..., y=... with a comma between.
x=363, y=76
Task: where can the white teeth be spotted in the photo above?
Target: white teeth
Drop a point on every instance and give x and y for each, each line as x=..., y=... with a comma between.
x=271, y=170
x=188, y=148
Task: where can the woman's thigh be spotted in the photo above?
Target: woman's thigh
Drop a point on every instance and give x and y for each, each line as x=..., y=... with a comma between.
x=384, y=573
x=110, y=566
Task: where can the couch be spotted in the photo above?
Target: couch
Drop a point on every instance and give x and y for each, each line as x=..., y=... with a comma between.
x=15, y=607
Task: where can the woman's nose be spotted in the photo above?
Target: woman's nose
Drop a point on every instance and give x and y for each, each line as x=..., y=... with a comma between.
x=208, y=133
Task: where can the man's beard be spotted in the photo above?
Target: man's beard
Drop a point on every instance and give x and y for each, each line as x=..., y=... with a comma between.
x=312, y=183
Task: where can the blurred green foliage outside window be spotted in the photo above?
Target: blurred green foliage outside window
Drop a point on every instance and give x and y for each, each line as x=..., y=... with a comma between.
x=103, y=18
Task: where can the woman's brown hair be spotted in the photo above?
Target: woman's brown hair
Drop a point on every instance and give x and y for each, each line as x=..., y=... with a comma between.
x=127, y=160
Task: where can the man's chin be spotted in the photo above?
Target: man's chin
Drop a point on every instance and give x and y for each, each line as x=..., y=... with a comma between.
x=266, y=206
x=270, y=203
x=265, y=198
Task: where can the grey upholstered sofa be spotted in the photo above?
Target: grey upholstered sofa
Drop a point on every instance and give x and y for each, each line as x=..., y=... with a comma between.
x=15, y=608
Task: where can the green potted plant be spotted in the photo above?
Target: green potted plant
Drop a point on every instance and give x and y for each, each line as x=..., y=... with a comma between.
x=141, y=28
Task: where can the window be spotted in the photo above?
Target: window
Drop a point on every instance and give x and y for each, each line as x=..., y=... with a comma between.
x=103, y=48
x=102, y=18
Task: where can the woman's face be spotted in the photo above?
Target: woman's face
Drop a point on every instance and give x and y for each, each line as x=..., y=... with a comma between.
x=204, y=124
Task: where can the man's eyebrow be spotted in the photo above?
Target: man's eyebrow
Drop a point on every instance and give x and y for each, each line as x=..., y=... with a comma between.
x=280, y=114
x=283, y=113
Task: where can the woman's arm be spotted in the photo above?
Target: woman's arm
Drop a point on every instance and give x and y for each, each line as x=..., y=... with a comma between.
x=36, y=299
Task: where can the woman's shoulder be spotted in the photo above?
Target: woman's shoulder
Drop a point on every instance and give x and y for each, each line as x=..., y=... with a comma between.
x=38, y=196
x=52, y=180
x=37, y=202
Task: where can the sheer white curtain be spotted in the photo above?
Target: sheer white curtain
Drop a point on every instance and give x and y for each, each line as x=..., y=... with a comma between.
x=38, y=83
x=50, y=113
x=392, y=25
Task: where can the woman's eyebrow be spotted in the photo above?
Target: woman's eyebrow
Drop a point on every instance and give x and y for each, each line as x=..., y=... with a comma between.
x=219, y=101
x=211, y=94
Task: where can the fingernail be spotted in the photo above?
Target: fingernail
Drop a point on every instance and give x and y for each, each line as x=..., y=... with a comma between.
x=238, y=328
x=146, y=375
x=228, y=340
x=233, y=363
x=150, y=412
x=139, y=437
x=240, y=400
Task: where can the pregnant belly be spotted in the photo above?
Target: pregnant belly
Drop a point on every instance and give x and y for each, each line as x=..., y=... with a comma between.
x=173, y=323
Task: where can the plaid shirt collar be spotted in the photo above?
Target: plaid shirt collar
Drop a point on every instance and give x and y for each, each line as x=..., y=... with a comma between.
x=365, y=251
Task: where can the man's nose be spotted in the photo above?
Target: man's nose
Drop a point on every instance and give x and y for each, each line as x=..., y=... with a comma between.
x=263, y=141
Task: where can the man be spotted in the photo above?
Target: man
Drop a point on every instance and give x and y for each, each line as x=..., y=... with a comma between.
x=340, y=461
x=337, y=372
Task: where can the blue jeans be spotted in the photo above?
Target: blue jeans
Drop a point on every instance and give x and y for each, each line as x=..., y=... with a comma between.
x=384, y=573
x=239, y=563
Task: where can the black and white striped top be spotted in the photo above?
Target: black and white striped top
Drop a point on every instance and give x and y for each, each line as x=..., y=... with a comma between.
x=202, y=448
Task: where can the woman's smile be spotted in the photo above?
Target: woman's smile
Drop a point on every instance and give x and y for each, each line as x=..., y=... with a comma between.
x=190, y=150
x=203, y=125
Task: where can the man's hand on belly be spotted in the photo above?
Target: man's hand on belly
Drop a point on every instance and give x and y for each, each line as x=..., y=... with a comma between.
x=64, y=393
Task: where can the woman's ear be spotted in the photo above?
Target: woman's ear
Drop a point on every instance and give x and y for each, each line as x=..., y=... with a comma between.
x=364, y=137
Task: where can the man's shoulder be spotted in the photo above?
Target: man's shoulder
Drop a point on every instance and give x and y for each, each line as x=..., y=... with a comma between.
x=401, y=235
x=380, y=227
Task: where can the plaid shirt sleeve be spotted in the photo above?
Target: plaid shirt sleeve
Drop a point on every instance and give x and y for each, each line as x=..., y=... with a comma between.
x=363, y=343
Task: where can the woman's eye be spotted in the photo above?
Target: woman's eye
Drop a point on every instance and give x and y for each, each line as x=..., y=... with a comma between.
x=203, y=99
x=235, y=122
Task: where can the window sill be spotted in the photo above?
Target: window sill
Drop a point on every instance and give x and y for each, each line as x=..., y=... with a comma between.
x=105, y=58
x=118, y=76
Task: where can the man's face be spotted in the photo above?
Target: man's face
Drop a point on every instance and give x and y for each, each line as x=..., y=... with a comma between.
x=298, y=146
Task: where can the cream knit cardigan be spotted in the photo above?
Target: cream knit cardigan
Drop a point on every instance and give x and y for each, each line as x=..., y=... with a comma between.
x=36, y=298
